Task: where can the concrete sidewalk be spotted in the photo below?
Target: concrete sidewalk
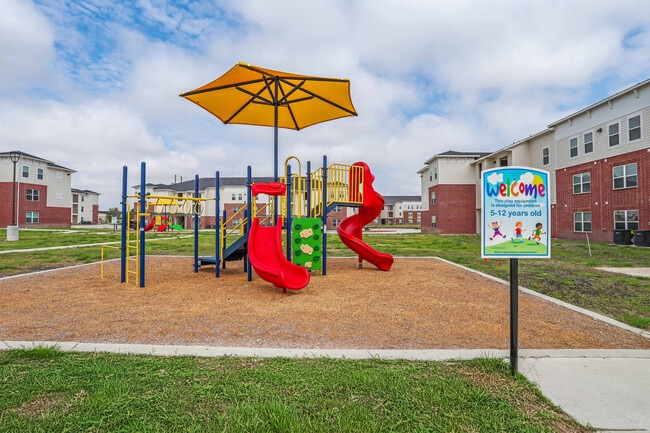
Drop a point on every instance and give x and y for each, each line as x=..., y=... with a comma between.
x=608, y=390
x=637, y=272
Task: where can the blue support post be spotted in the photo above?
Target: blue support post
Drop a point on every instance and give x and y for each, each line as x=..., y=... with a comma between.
x=246, y=230
x=324, y=216
x=223, y=247
x=249, y=196
x=288, y=212
x=143, y=209
x=217, y=226
x=125, y=225
x=308, y=187
x=196, y=224
x=248, y=216
x=247, y=266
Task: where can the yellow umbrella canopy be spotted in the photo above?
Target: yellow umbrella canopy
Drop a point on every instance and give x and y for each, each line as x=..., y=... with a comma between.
x=248, y=95
x=251, y=95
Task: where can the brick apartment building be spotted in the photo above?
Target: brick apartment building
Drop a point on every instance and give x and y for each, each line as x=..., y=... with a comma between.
x=85, y=206
x=599, y=164
x=233, y=197
x=401, y=210
x=449, y=193
x=43, y=196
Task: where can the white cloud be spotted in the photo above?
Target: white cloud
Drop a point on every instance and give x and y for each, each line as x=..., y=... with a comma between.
x=26, y=46
x=94, y=85
x=527, y=178
x=495, y=178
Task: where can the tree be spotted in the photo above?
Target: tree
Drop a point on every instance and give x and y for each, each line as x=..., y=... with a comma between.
x=114, y=212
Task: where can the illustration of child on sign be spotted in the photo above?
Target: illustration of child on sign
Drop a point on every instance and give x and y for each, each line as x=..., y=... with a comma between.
x=519, y=232
x=496, y=225
x=537, y=233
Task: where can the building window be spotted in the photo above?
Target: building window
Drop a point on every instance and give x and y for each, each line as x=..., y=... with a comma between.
x=626, y=220
x=39, y=173
x=31, y=217
x=503, y=162
x=430, y=175
x=240, y=197
x=582, y=222
x=546, y=156
x=625, y=176
x=433, y=197
x=573, y=147
x=82, y=208
x=480, y=169
x=234, y=196
x=337, y=209
x=433, y=221
x=25, y=170
x=581, y=183
x=634, y=127
x=613, y=134
x=32, y=195
x=82, y=198
x=335, y=222
x=435, y=172
x=588, y=139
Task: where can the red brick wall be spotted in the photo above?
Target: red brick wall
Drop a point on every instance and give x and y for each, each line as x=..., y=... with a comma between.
x=331, y=215
x=49, y=217
x=603, y=200
x=411, y=217
x=52, y=217
x=230, y=211
x=6, y=203
x=205, y=222
x=455, y=210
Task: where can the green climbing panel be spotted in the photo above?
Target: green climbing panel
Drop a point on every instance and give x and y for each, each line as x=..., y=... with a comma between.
x=307, y=237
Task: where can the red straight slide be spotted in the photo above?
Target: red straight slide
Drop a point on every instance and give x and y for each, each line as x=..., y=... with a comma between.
x=267, y=258
x=350, y=230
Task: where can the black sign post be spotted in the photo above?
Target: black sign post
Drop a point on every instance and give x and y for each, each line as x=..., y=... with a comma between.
x=515, y=224
x=514, y=314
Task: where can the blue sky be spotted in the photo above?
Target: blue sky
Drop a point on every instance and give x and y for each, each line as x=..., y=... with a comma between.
x=93, y=85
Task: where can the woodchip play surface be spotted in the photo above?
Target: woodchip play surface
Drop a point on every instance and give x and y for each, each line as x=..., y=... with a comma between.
x=421, y=303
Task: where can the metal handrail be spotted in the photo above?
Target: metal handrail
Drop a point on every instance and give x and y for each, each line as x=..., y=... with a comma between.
x=226, y=232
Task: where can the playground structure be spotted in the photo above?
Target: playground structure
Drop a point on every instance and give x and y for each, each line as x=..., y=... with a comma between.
x=159, y=209
x=298, y=206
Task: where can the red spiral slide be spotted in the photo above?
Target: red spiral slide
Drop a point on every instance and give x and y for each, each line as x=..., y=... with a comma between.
x=350, y=230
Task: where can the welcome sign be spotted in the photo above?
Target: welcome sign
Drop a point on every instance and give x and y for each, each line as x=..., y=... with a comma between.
x=515, y=213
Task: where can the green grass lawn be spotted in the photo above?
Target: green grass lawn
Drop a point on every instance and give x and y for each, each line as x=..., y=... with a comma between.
x=43, y=389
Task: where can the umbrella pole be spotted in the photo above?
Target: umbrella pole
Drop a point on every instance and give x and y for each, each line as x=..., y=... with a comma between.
x=275, y=156
x=275, y=145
